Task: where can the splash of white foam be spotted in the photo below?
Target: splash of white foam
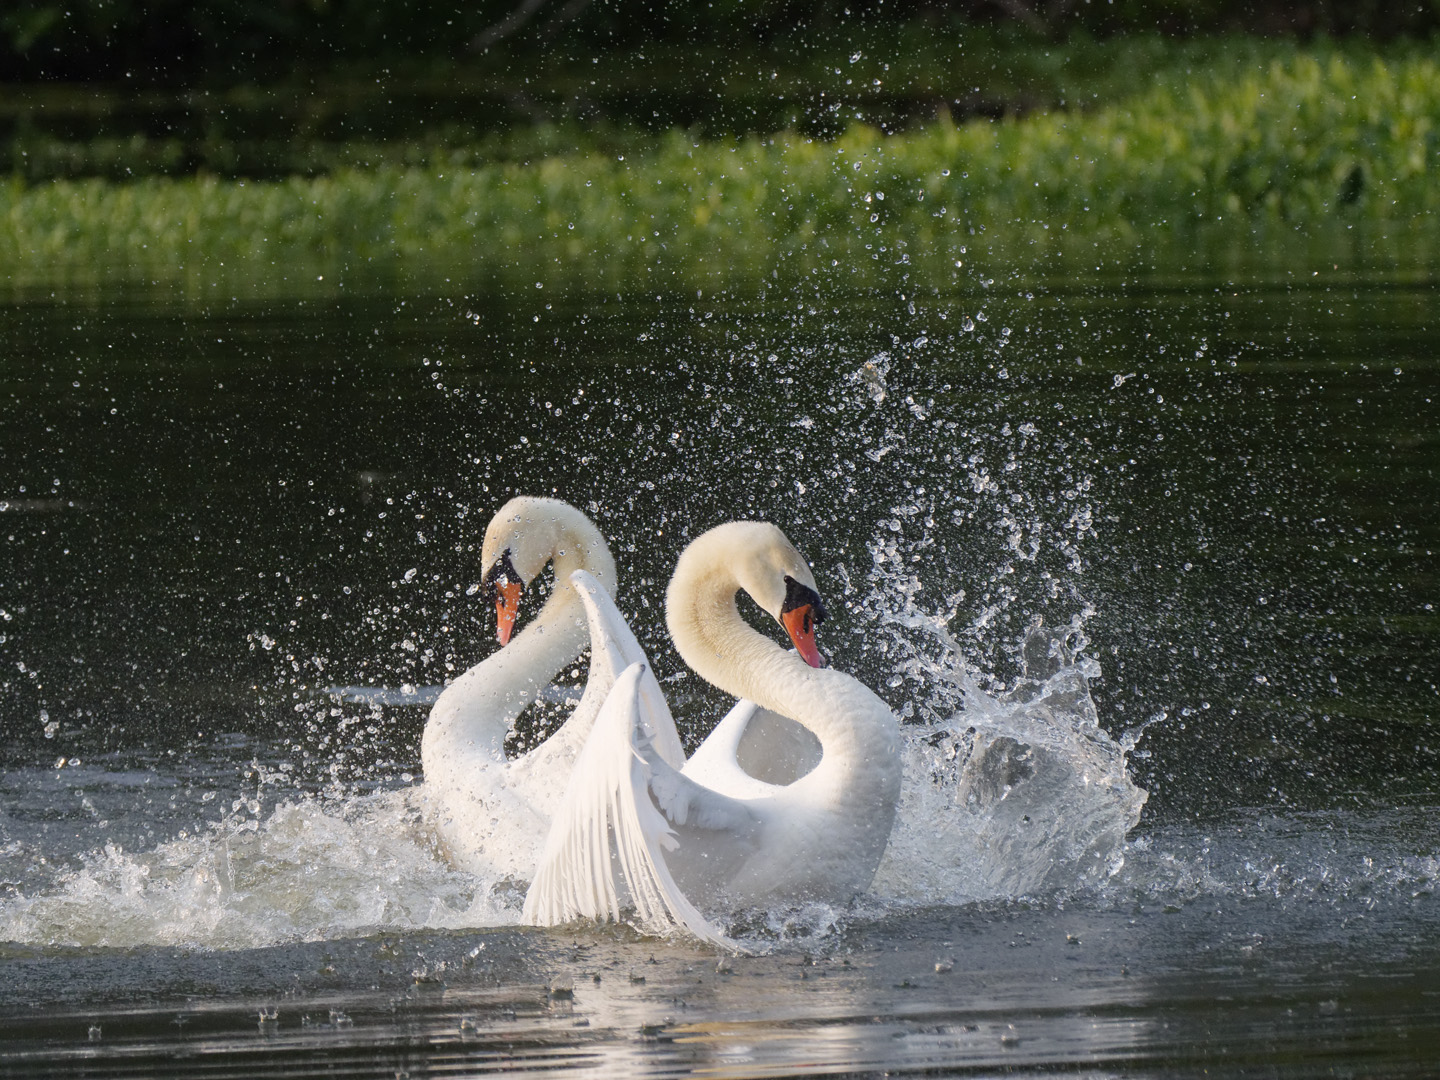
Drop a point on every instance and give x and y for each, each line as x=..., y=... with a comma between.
x=1014, y=795
x=313, y=869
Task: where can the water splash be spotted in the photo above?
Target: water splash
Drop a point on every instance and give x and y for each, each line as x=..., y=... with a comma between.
x=1012, y=787
x=1361, y=857
x=1016, y=793
x=312, y=869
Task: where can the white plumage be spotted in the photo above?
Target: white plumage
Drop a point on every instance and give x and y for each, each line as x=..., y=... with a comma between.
x=492, y=813
x=716, y=835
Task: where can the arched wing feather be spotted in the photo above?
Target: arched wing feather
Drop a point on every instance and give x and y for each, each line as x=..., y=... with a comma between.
x=582, y=873
x=613, y=648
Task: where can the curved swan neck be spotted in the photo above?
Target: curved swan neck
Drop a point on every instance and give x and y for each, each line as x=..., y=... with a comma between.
x=558, y=632
x=548, y=642
x=578, y=545
x=477, y=710
x=714, y=640
x=535, y=531
x=554, y=532
x=723, y=649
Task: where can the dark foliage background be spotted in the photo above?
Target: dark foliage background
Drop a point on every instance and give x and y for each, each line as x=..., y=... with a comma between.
x=217, y=43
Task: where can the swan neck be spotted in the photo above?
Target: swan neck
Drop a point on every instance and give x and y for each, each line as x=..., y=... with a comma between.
x=476, y=712
x=725, y=650
x=853, y=725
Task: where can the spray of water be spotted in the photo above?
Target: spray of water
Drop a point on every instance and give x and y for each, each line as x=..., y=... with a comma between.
x=1012, y=787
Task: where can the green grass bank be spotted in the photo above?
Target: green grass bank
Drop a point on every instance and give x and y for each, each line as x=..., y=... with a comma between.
x=1320, y=137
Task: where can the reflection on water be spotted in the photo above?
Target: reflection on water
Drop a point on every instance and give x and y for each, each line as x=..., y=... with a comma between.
x=1254, y=984
x=1092, y=540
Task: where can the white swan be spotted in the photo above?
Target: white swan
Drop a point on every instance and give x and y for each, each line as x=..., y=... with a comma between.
x=716, y=834
x=492, y=814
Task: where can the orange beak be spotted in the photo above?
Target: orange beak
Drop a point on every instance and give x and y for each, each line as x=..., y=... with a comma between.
x=799, y=623
x=507, y=606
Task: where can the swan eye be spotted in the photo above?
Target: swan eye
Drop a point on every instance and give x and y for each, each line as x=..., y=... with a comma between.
x=801, y=596
x=502, y=573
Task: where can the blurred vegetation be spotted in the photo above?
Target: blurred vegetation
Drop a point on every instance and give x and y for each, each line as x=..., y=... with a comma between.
x=270, y=88
x=614, y=141
x=219, y=43
x=1326, y=136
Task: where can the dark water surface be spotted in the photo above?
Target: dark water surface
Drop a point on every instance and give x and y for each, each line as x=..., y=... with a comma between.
x=214, y=512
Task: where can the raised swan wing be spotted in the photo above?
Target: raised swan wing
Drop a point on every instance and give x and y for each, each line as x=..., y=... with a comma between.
x=627, y=805
x=613, y=648
x=606, y=844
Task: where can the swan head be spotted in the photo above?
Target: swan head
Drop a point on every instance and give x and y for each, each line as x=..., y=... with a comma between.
x=801, y=613
x=524, y=535
x=504, y=584
x=766, y=565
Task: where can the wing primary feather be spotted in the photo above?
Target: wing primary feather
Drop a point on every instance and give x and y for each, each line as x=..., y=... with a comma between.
x=608, y=800
x=612, y=640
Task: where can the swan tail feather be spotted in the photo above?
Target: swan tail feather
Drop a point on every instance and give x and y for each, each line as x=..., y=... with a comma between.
x=608, y=835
